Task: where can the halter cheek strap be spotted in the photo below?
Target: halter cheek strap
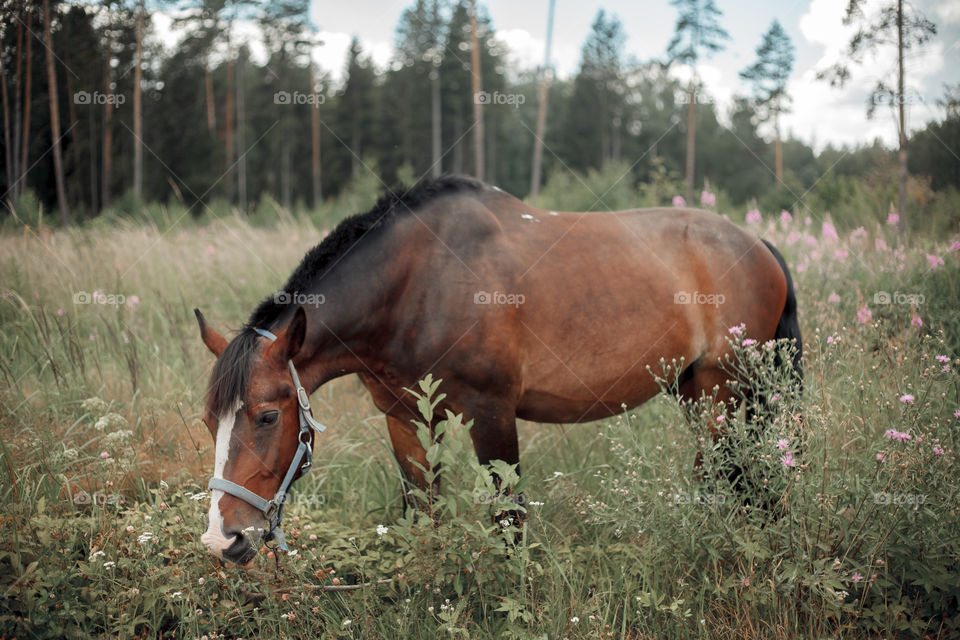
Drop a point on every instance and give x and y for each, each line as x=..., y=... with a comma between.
x=273, y=509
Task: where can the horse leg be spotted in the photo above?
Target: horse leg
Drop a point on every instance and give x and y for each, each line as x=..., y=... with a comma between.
x=712, y=383
x=494, y=435
x=409, y=453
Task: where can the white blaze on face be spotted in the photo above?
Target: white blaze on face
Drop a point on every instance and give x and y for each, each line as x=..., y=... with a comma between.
x=214, y=538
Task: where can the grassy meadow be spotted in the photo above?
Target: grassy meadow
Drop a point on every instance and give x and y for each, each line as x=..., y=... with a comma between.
x=104, y=462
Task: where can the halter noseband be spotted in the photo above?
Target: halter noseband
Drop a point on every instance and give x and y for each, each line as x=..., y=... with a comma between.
x=273, y=509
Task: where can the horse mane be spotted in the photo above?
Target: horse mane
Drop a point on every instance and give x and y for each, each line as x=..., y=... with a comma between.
x=230, y=373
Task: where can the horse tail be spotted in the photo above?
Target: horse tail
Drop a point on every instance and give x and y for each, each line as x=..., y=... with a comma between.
x=789, y=327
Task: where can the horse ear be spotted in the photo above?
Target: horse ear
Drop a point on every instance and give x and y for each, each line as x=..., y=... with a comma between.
x=292, y=339
x=214, y=341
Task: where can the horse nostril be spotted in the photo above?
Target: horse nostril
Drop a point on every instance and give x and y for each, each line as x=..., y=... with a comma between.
x=240, y=551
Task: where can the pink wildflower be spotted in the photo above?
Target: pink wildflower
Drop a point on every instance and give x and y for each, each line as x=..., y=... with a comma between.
x=708, y=199
x=943, y=359
x=881, y=457
x=833, y=298
x=938, y=451
x=857, y=577
x=935, y=261
x=104, y=455
x=864, y=315
x=902, y=436
x=782, y=444
x=736, y=330
x=678, y=201
x=749, y=342
x=788, y=460
x=893, y=218
x=830, y=232
x=907, y=398
x=785, y=217
x=916, y=321
x=753, y=216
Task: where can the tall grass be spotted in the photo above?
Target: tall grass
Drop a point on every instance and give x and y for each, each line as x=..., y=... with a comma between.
x=104, y=461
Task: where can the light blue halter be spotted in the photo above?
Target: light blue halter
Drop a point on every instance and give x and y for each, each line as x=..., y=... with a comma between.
x=273, y=509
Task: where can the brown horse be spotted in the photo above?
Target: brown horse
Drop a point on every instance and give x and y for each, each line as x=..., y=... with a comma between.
x=541, y=315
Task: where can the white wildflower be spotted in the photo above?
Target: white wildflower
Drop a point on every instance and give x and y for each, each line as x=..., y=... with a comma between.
x=381, y=530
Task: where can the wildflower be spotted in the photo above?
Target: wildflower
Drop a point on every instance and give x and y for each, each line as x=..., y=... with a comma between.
x=880, y=244
x=788, y=460
x=108, y=564
x=955, y=245
x=864, y=315
x=133, y=301
x=381, y=530
x=834, y=298
x=916, y=321
x=857, y=577
x=678, y=201
x=134, y=591
x=574, y=619
x=97, y=554
x=347, y=622
x=842, y=595
x=104, y=455
x=176, y=594
x=720, y=418
x=938, y=451
x=829, y=232
x=943, y=359
x=782, y=444
x=753, y=216
x=736, y=330
x=881, y=457
x=130, y=528
x=708, y=199
x=935, y=261
x=336, y=581
x=907, y=398
x=746, y=581
x=858, y=233
x=830, y=339
x=956, y=414
x=902, y=436
x=60, y=312
x=749, y=342
x=200, y=581
x=893, y=218
x=785, y=217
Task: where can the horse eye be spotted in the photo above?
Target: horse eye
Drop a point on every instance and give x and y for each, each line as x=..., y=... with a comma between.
x=267, y=418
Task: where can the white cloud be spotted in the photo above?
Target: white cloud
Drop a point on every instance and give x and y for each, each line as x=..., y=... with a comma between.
x=822, y=113
x=949, y=12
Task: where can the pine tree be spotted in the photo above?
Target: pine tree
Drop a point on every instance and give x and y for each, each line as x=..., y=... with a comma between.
x=895, y=25
x=697, y=35
x=769, y=75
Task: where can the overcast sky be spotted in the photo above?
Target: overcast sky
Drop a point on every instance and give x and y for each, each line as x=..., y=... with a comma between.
x=820, y=114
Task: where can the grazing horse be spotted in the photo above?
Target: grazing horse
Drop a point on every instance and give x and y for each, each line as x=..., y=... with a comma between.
x=524, y=313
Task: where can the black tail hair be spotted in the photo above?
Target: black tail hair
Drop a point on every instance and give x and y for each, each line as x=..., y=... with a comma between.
x=789, y=326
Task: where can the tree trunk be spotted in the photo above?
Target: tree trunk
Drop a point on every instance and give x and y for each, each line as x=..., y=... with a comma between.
x=902, y=154
x=543, y=95
x=107, y=122
x=208, y=91
x=477, y=88
x=55, y=116
x=27, y=99
x=691, y=134
x=315, y=173
x=17, y=111
x=8, y=151
x=240, y=77
x=228, y=130
x=777, y=150
x=138, y=110
x=435, y=117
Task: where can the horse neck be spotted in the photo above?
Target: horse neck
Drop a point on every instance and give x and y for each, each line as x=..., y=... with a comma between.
x=343, y=331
